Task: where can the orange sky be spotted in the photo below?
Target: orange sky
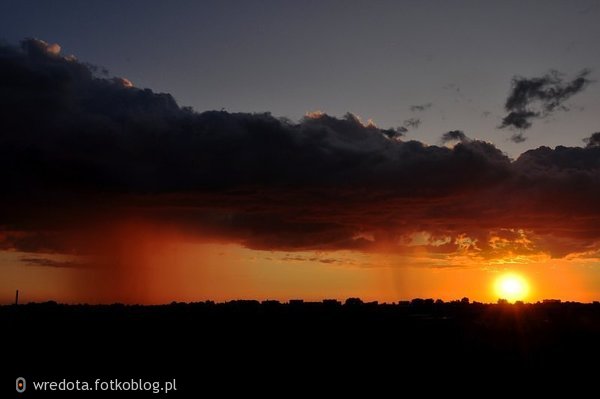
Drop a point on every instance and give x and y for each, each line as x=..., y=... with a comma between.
x=179, y=270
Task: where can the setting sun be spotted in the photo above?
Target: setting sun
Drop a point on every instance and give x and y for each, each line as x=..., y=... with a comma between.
x=511, y=287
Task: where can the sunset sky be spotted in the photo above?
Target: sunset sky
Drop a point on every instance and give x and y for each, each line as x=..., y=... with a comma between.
x=184, y=151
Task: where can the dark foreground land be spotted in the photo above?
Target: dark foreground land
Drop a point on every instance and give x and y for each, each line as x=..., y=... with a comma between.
x=300, y=347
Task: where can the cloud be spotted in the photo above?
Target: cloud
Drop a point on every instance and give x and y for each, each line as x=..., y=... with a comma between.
x=593, y=140
x=395, y=133
x=45, y=262
x=519, y=119
x=420, y=108
x=454, y=135
x=412, y=123
x=532, y=98
x=123, y=82
x=40, y=47
x=314, y=114
x=518, y=138
x=90, y=166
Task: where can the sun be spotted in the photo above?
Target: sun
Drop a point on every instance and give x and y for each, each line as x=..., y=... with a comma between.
x=511, y=287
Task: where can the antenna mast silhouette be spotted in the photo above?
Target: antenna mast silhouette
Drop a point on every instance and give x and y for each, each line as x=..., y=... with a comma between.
x=17, y=298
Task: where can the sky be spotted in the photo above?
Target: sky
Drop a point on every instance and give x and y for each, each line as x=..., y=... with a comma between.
x=374, y=59
x=161, y=151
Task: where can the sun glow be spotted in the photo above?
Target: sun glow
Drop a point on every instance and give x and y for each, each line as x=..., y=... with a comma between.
x=511, y=287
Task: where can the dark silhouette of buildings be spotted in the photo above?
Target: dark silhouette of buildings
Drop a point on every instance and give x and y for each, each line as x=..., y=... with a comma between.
x=300, y=344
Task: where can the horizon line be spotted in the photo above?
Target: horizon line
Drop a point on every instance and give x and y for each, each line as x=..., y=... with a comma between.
x=351, y=301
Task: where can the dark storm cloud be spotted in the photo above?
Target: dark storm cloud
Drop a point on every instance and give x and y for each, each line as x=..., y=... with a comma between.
x=593, y=140
x=532, y=98
x=395, y=133
x=454, y=135
x=420, y=108
x=81, y=152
